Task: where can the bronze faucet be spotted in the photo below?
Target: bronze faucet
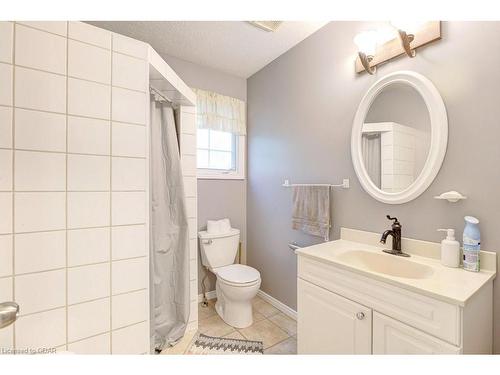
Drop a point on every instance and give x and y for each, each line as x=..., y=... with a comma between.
x=395, y=232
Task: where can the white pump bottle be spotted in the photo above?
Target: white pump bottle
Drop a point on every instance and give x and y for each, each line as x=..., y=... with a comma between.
x=450, y=249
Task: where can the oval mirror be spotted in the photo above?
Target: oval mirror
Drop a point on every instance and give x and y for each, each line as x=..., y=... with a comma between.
x=399, y=137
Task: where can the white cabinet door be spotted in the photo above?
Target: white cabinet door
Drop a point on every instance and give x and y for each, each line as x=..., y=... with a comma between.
x=393, y=337
x=331, y=324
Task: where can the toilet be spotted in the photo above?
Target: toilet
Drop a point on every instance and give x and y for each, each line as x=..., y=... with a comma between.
x=237, y=284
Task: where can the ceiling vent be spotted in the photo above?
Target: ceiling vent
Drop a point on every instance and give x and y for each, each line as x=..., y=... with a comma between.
x=270, y=26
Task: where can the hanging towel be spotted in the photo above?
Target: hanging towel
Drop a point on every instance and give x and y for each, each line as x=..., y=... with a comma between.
x=311, y=210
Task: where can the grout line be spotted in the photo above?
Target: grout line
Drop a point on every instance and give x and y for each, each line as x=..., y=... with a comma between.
x=13, y=130
x=74, y=153
x=66, y=187
x=111, y=200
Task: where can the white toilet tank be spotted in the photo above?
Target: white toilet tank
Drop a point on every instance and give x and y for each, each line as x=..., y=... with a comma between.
x=218, y=250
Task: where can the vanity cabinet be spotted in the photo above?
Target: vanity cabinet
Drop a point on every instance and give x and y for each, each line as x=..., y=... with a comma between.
x=343, y=312
x=325, y=316
x=393, y=337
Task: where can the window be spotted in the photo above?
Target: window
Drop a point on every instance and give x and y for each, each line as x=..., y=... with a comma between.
x=220, y=154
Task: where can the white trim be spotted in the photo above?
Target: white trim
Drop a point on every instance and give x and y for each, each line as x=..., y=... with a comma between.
x=288, y=311
x=210, y=295
x=278, y=304
x=439, y=136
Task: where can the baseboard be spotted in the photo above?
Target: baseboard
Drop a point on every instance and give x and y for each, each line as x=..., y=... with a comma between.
x=210, y=295
x=278, y=304
x=266, y=297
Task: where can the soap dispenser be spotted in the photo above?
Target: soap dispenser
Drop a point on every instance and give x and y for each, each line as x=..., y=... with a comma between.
x=450, y=249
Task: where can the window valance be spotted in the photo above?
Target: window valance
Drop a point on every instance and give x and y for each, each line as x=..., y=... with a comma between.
x=220, y=112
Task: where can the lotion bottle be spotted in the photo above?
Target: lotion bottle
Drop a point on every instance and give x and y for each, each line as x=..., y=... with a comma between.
x=450, y=249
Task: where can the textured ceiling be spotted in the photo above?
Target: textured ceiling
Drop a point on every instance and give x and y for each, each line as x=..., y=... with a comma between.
x=234, y=47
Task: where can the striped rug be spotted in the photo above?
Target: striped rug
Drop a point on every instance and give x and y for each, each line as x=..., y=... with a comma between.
x=204, y=344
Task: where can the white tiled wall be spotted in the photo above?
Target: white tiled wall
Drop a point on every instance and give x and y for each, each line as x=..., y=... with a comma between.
x=73, y=187
x=188, y=152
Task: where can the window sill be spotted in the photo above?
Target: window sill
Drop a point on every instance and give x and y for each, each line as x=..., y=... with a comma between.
x=221, y=176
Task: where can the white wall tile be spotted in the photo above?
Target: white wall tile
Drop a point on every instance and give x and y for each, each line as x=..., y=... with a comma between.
x=193, y=248
x=89, y=34
x=6, y=127
x=42, y=330
x=193, y=311
x=40, y=90
x=128, y=140
x=6, y=289
x=40, y=251
x=193, y=228
x=131, y=340
x=86, y=246
x=191, y=207
x=39, y=211
x=40, y=50
x=40, y=171
x=129, y=106
x=88, y=172
x=128, y=241
x=40, y=291
x=130, y=46
x=129, y=308
x=6, y=210
x=129, y=174
x=128, y=208
x=7, y=338
x=5, y=255
x=88, y=319
x=88, y=136
x=193, y=289
x=56, y=27
x=89, y=62
x=6, y=86
x=88, y=283
x=128, y=275
x=189, y=165
x=6, y=40
x=5, y=170
x=190, y=186
x=41, y=131
x=129, y=72
x=188, y=144
x=88, y=209
x=193, y=271
x=100, y=344
x=88, y=99
x=188, y=122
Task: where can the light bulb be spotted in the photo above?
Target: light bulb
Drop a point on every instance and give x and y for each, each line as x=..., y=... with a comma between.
x=366, y=42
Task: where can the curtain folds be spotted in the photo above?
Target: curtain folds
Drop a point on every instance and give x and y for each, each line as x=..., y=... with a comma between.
x=169, y=249
x=220, y=112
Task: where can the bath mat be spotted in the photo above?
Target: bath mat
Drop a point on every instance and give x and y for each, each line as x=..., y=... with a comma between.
x=204, y=344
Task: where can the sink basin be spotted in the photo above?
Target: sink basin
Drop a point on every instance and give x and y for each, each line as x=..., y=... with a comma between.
x=387, y=264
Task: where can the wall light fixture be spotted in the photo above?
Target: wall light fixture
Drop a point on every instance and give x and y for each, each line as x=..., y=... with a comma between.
x=367, y=45
x=409, y=36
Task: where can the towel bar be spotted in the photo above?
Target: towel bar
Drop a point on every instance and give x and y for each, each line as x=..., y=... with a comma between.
x=344, y=184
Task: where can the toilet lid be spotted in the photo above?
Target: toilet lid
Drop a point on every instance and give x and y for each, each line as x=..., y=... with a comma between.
x=238, y=274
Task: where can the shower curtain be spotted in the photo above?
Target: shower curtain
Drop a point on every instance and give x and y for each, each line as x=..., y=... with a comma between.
x=169, y=250
x=371, y=149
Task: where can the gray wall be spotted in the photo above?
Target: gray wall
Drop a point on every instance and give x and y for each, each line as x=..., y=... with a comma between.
x=301, y=108
x=217, y=199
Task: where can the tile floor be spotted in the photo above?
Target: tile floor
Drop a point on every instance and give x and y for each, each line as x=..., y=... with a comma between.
x=277, y=331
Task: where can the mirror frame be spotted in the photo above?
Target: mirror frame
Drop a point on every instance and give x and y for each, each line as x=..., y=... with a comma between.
x=438, y=144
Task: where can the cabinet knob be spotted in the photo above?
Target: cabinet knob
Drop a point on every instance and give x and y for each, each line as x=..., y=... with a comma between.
x=360, y=315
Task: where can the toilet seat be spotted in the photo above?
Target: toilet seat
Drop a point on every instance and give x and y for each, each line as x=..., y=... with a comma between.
x=237, y=275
